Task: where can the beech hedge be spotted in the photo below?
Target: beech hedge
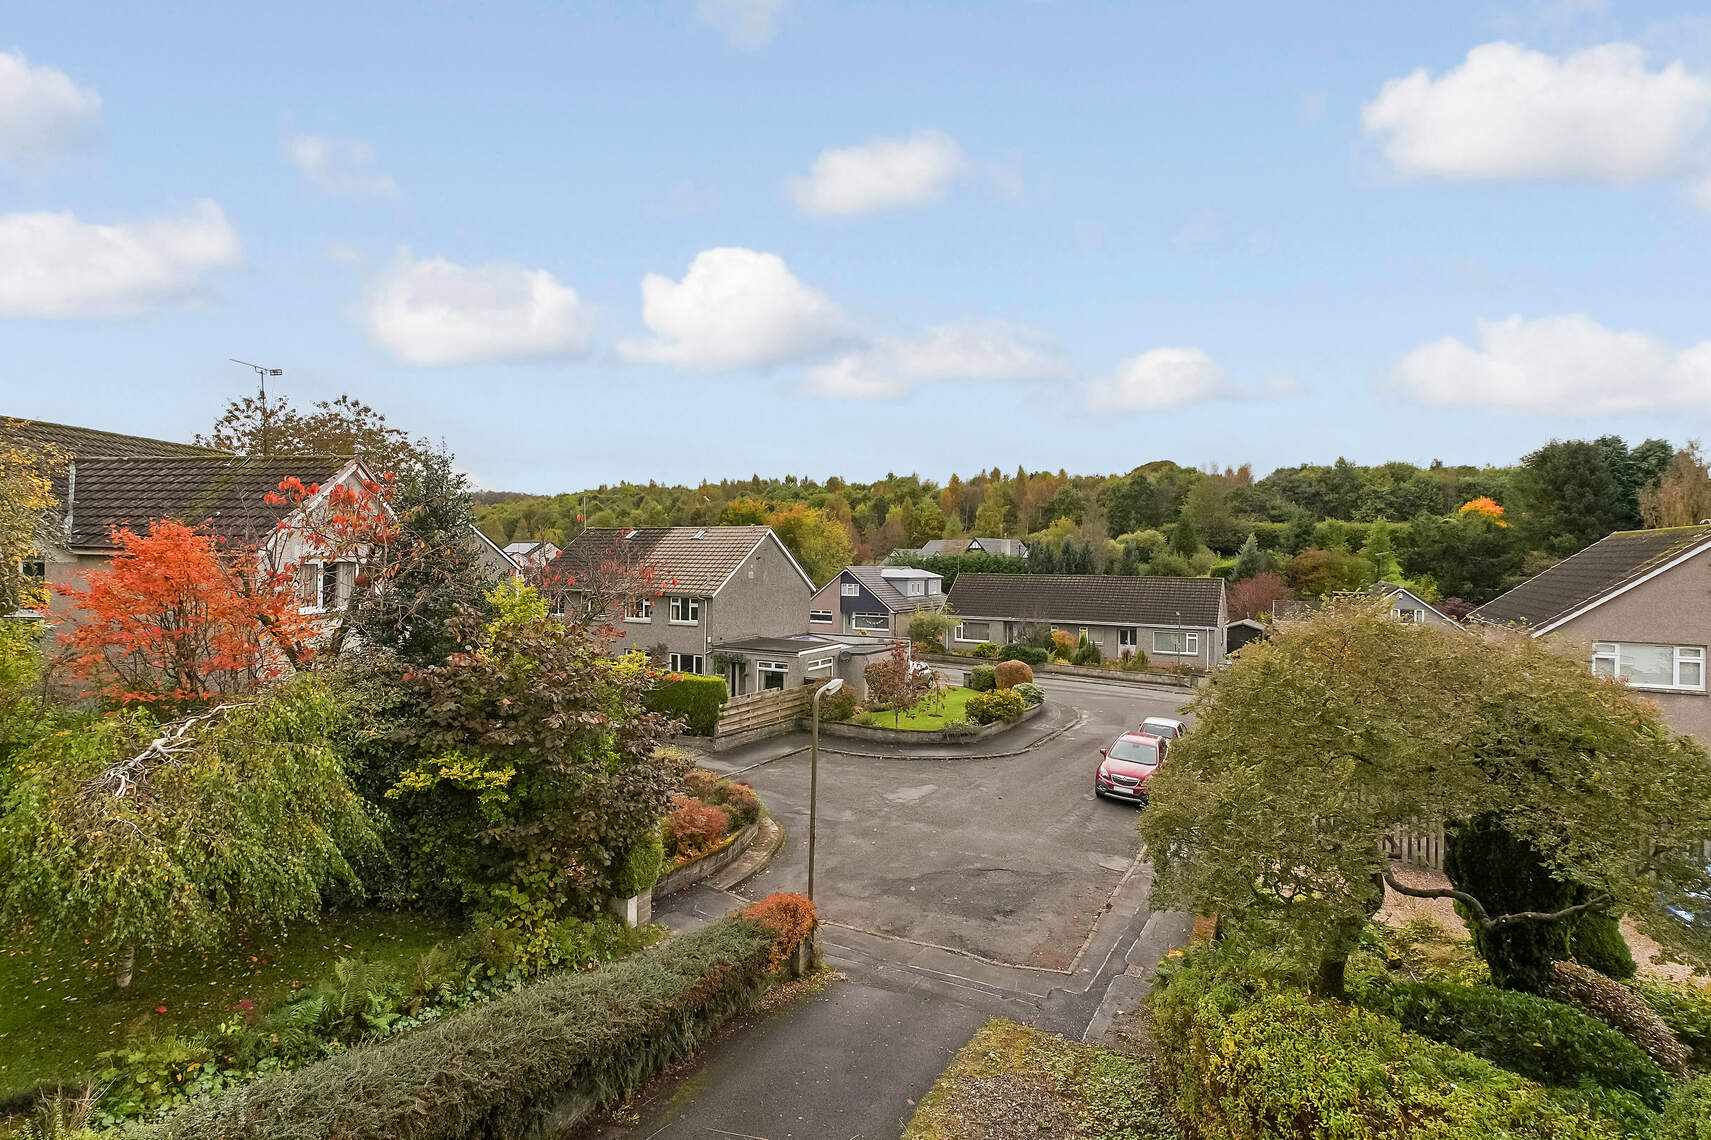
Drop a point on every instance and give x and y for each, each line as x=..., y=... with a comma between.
x=516, y=1066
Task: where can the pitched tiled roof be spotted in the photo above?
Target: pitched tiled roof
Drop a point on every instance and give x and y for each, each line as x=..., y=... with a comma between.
x=77, y=441
x=1097, y=598
x=689, y=560
x=226, y=492
x=1596, y=572
x=881, y=587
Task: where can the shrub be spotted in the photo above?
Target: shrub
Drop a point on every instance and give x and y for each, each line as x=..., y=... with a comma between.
x=841, y=705
x=999, y=704
x=1063, y=644
x=500, y=1070
x=1687, y=1116
x=738, y=800
x=1030, y=693
x=984, y=649
x=1276, y=1063
x=1596, y=941
x=789, y=916
x=1133, y=661
x=983, y=678
x=1545, y=1040
x=694, y=827
x=1618, y=1007
x=1012, y=673
x=1087, y=654
x=1686, y=1009
x=1032, y=654
x=693, y=699
x=642, y=864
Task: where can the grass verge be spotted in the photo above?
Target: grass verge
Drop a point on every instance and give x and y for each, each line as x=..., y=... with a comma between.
x=1010, y=1080
x=59, y=1006
x=926, y=716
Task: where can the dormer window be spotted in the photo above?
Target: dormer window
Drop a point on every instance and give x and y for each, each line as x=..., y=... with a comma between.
x=852, y=590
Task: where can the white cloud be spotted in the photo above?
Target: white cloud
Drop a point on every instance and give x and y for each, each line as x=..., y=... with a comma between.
x=54, y=265
x=339, y=166
x=880, y=174
x=1508, y=112
x=1566, y=365
x=735, y=308
x=43, y=110
x=1163, y=378
x=746, y=24
x=892, y=368
x=433, y=311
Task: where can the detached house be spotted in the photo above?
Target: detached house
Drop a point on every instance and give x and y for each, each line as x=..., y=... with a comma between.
x=1171, y=620
x=719, y=600
x=1634, y=605
x=1014, y=547
x=874, y=601
x=1405, y=605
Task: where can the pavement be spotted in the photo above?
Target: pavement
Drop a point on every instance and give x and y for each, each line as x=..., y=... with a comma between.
x=954, y=883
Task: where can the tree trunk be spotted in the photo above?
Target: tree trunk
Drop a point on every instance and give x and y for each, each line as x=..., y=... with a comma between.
x=1329, y=982
x=127, y=961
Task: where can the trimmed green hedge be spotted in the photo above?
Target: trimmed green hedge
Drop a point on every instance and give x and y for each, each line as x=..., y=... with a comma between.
x=499, y=1071
x=1032, y=654
x=1553, y=1043
x=983, y=678
x=1250, y=1062
x=694, y=699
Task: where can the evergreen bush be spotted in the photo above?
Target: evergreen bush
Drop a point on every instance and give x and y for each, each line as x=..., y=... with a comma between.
x=1032, y=654
x=691, y=698
x=1009, y=674
x=983, y=678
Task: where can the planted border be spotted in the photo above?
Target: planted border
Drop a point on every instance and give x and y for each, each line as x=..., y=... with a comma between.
x=526, y=1064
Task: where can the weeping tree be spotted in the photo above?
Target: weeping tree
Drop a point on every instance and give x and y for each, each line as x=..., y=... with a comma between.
x=126, y=834
x=1316, y=742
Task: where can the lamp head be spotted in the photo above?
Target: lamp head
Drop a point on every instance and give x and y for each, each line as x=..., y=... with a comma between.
x=831, y=686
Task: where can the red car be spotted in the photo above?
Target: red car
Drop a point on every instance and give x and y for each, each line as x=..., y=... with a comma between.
x=1126, y=766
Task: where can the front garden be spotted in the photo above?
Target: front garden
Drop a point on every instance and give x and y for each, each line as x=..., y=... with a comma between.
x=904, y=696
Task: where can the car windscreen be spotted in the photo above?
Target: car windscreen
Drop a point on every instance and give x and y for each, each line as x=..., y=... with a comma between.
x=1159, y=728
x=1134, y=752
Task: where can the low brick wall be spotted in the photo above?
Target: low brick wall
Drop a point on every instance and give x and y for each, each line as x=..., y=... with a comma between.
x=1085, y=672
x=882, y=735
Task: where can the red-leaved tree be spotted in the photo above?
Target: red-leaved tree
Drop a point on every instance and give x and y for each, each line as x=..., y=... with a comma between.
x=1254, y=596
x=176, y=620
x=347, y=523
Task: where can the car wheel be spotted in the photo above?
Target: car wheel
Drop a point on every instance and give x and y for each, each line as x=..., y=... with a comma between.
x=1098, y=792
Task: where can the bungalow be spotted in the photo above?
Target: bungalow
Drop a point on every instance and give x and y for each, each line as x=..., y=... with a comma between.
x=1013, y=547
x=1178, y=620
x=874, y=601
x=1635, y=605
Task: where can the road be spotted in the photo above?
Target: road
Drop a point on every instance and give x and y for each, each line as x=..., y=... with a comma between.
x=949, y=890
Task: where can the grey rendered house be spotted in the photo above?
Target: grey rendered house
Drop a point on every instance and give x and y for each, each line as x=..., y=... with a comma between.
x=1171, y=620
x=1014, y=547
x=719, y=600
x=1635, y=605
x=1405, y=605
x=873, y=601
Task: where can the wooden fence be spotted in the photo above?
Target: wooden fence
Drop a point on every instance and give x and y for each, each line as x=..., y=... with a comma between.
x=1421, y=845
x=763, y=710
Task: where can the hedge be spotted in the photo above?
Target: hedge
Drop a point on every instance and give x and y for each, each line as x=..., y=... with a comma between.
x=1687, y=1116
x=1277, y=1063
x=692, y=698
x=999, y=704
x=1686, y=1009
x=1552, y=1043
x=501, y=1070
x=983, y=678
x=1031, y=654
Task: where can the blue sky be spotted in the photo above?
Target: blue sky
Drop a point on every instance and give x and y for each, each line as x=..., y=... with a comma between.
x=588, y=243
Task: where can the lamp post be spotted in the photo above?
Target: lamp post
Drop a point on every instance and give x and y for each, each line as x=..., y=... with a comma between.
x=831, y=686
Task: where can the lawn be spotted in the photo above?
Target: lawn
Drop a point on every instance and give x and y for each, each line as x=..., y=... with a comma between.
x=59, y=1008
x=1010, y=1080
x=925, y=716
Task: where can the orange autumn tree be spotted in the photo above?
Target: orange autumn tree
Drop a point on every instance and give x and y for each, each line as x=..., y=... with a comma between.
x=1484, y=505
x=176, y=621
x=350, y=523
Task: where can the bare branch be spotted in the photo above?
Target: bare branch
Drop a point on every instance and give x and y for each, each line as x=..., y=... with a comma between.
x=1483, y=917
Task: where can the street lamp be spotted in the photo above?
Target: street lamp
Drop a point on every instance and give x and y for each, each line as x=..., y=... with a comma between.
x=831, y=686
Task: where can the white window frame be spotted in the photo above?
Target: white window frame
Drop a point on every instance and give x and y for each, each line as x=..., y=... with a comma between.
x=683, y=604
x=692, y=663
x=884, y=625
x=821, y=617
x=1128, y=637
x=917, y=588
x=1190, y=643
x=852, y=590
x=824, y=665
x=1410, y=615
x=320, y=606
x=765, y=669
x=1611, y=651
x=646, y=608
x=977, y=640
